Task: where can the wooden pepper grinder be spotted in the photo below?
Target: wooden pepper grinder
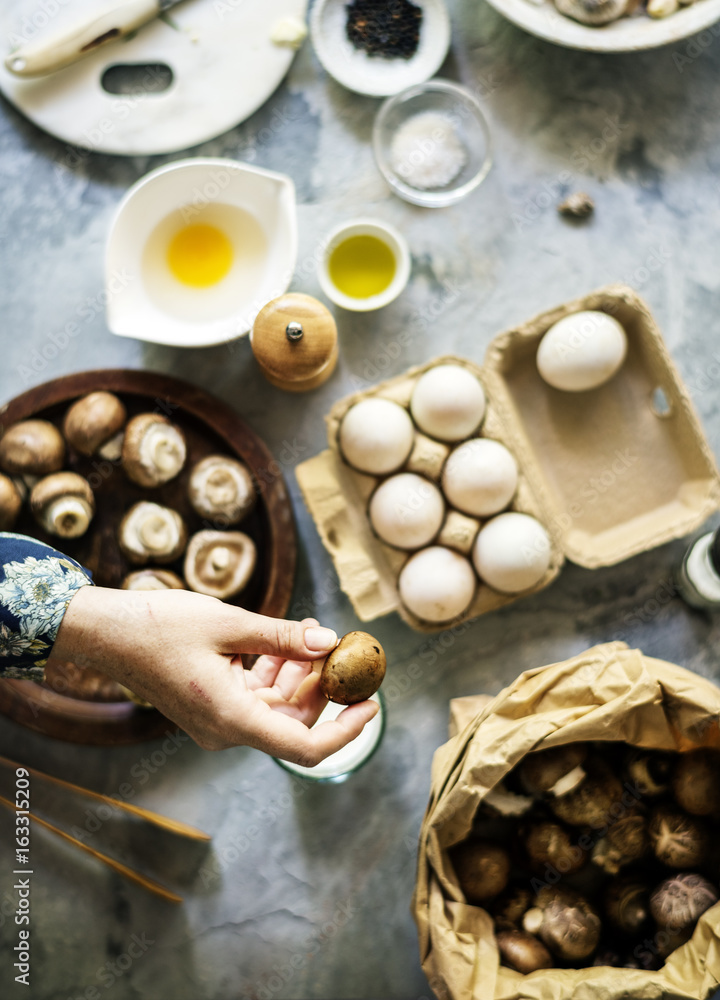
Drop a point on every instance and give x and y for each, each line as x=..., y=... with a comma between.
x=294, y=340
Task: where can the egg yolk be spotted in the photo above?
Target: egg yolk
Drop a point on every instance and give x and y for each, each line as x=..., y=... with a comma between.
x=200, y=255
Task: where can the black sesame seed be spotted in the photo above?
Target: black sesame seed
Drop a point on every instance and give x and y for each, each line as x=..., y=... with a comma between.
x=387, y=28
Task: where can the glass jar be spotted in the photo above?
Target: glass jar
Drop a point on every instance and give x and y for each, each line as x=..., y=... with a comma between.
x=698, y=579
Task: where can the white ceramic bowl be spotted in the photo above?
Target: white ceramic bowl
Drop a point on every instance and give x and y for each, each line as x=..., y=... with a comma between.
x=254, y=208
x=392, y=238
x=541, y=18
x=375, y=75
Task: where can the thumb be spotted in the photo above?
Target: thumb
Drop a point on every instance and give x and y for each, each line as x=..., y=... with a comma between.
x=246, y=632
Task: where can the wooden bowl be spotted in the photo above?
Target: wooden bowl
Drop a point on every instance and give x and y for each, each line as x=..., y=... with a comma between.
x=83, y=706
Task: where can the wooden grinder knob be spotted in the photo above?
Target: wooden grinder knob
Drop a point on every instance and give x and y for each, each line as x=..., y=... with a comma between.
x=294, y=340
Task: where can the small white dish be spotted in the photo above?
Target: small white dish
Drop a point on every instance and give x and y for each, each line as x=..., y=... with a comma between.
x=377, y=76
x=255, y=211
x=392, y=238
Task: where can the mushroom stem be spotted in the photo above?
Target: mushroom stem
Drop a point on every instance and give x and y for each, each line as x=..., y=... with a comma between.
x=68, y=517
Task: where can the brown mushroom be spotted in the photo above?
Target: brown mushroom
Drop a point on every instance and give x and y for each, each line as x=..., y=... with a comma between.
x=33, y=447
x=63, y=504
x=696, y=782
x=523, y=952
x=150, y=532
x=482, y=869
x=500, y=801
x=626, y=840
x=221, y=488
x=219, y=563
x=649, y=771
x=592, y=802
x=678, y=902
x=153, y=451
x=551, y=844
x=354, y=670
x=627, y=904
x=93, y=421
x=678, y=840
x=10, y=503
x=152, y=579
x=564, y=921
x=510, y=907
x=555, y=771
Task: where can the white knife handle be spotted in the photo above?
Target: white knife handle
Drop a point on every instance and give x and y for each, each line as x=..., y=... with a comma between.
x=63, y=48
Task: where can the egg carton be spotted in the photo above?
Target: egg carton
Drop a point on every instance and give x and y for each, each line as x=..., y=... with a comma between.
x=610, y=472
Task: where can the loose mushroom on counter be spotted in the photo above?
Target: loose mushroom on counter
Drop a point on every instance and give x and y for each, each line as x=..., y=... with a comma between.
x=150, y=532
x=63, y=504
x=94, y=423
x=32, y=447
x=219, y=563
x=221, y=488
x=154, y=450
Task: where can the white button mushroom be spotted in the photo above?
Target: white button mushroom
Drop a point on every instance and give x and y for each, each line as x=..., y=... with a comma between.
x=153, y=451
x=512, y=552
x=91, y=422
x=448, y=403
x=437, y=584
x=33, y=447
x=406, y=511
x=150, y=532
x=152, y=579
x=221, y=488
x=63, y=504
x=480, y=477
x=220, y=563
x=376, y=436
x=582, y=351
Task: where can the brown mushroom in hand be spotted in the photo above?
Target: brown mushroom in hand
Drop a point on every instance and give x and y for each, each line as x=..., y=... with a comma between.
x=150, y=532
x=649, y=771
x=153, y=451
x=10, y=503
x=523, y=952
x=626, y=840
x=63, y=504
x=32, y=447
x=551, y=844
x=219, y=563
x=94, y=423
x=354, y=670
x=555, y=771
x=678, y=840
x=591, y=803
x=696, y=782
x=221, y=488
x=510, y=907
x=482, y=869
x=627, y=904
x=679, y=902
x=152, y=579
x=565, y=922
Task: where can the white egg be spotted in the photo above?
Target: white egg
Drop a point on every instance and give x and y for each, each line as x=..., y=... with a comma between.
x=448, y=403
x=407, y=511
x=437, y=584
x=376, y=436
x=512, y=552
x=582, y=351
x=480, y=477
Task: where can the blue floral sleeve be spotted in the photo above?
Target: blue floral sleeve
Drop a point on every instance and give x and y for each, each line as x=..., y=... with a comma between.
x=36, y=585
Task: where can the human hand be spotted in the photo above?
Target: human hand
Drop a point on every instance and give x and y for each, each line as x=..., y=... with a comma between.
x=181, y=652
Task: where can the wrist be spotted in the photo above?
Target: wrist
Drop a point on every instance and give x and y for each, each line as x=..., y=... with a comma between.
x=90, y=626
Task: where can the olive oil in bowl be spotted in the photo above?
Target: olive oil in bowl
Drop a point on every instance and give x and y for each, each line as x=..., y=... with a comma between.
x=366, y=265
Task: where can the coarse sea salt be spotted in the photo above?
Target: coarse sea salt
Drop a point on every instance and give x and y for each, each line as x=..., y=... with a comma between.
x=427, y=152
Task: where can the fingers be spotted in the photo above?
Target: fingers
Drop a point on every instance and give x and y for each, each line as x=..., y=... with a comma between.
x=287, y=738
x=305, y=704
x=246, y=632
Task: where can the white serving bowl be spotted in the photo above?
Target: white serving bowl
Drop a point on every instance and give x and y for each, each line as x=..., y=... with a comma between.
x=254, y=208
x=375, y=75
x=396, y=243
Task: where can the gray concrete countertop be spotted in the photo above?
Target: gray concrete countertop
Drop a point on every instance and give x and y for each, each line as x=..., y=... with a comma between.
x=306, y=890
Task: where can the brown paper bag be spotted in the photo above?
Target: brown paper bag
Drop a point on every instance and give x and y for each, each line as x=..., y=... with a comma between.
x=609, y=692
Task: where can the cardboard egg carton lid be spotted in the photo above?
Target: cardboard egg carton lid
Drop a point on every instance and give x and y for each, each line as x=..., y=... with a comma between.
x=610, y=472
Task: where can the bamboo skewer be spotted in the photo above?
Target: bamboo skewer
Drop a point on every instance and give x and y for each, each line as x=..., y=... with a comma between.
x=146, y=883
x=175, y=826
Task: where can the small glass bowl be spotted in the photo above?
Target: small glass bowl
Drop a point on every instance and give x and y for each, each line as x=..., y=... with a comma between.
x=462, y=109
x=338, y=767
